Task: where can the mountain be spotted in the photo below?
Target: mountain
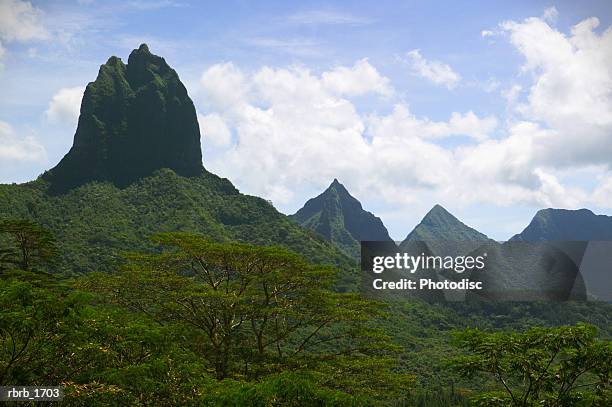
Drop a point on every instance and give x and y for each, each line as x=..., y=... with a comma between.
x=515, y=271
x=135, y=169
x=339, y=218
x=562, y=224
x=96, y=222
x=444, y=234
x=135, y=118
x=564, y=227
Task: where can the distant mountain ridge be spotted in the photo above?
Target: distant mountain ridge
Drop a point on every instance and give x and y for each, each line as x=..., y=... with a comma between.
x=340, y=218
x=565, y=224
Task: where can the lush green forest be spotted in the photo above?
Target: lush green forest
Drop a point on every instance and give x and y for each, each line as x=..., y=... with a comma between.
x=95, y=222
x=193, y=321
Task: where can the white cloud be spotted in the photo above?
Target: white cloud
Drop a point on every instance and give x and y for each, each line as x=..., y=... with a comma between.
x=471, y=125
x=512, y=94
x=214, y=129
x=491, y=85
x=152, y=5
x=320, y=17
x=21, y=21
x=436, y=71
x=565, y=117
x=65, y=105
x=224, y=86
x=294, y=127
x=602, y=195
x=572, y=89
x=551, y=14
x=302, y=47
x=359, y=79
x=553, y=193
x=403, y=123
x=13, y=148
x=287, y=123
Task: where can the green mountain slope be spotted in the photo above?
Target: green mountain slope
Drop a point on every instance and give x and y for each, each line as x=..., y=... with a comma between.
x=97, y=221
x=337, y=216
x=444, y=234
x=563, y=224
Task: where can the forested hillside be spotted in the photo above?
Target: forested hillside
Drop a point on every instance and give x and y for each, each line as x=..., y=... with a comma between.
x=96, y=222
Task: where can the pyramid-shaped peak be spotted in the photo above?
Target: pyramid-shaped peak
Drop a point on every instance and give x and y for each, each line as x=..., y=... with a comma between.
x=438, y=214
x=339, y=217
x=439, y=209
x=441, y=225
x=337, y=186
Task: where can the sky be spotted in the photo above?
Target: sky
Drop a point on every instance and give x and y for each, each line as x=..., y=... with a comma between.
x=492, y=109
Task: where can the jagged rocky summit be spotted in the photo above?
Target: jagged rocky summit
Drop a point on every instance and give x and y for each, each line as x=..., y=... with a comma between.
x=135, y=118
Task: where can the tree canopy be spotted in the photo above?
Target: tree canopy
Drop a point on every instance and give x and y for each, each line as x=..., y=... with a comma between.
x=562, y=366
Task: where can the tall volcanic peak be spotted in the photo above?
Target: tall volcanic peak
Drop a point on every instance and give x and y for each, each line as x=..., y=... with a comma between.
x=134, y=119
x=339, y=217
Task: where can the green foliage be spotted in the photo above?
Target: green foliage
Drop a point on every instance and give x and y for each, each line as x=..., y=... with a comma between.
x=29, y=247
x=33, y=323
x=95, y=223
x=101, y=355
x=284, y=389
x=562, y=366
x=250, y=311
x=439, y=397
x=142, y=350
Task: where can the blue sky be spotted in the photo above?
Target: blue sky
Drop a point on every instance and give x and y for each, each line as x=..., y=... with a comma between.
x=492, y=109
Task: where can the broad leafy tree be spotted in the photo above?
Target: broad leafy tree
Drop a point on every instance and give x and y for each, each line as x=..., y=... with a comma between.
x=563, y=366
x=28, y=246
x=252, y=311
